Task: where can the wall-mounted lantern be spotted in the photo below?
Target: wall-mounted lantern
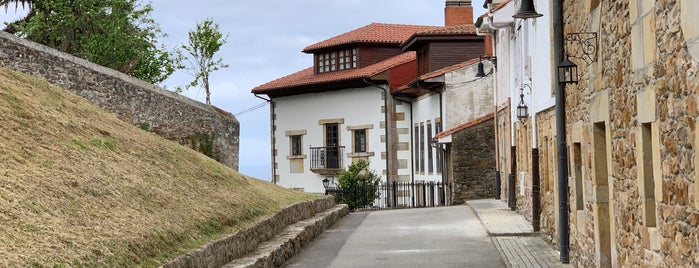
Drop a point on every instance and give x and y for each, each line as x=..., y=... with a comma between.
x=567, y=72
x=481, y=71
x=522, y=109
x=527, y=10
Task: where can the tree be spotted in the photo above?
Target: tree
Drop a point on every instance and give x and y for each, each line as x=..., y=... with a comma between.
x=359, y=183
x=118, y=34
x=203, y=43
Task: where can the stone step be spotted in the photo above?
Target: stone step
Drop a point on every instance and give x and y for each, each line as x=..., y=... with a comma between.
x=281, y=248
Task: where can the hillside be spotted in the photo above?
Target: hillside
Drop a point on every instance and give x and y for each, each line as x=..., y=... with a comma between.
x=79, y=187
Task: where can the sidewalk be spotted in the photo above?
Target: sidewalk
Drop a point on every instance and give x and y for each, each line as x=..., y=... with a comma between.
x=513, y=236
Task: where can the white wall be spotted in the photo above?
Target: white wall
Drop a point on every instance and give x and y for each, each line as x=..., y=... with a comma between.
x=426, y=108
x=466, y=96
x=359, y=106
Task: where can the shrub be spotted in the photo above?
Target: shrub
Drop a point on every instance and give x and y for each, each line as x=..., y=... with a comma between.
x=359, y=184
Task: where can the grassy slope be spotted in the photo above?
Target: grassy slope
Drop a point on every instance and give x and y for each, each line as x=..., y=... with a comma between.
x=80, y=187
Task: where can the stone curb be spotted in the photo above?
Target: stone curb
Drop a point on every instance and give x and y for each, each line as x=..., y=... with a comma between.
x=237, y=245
x=277, y=251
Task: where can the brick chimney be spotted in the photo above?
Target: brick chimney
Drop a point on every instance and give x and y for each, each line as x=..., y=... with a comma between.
x=458, y=12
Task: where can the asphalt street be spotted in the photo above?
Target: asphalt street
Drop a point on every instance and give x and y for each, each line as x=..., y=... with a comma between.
x=426, y=237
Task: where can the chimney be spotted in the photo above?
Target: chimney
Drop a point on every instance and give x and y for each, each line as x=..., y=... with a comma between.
x=458, y=12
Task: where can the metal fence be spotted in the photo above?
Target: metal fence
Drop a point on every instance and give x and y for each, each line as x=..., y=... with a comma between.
x=391, y=195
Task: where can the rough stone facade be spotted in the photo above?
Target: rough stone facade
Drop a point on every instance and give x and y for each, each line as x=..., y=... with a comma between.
x=164, y=112
x=503, y=149
x=548, y=174
x=473, y=159
x=633, y=118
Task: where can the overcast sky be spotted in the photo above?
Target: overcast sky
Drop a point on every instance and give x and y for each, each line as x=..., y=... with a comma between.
x=265, y=42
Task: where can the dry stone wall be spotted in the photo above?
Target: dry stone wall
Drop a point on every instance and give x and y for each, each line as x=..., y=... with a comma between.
x=473, y=160
x=164, y=112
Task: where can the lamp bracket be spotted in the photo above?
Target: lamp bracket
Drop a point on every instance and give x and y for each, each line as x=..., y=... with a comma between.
x=582, y=46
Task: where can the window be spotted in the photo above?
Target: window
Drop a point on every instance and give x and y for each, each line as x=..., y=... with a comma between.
x=648, y=184
x=438, y=129
x=422, y=148
x=336, y=60
x=295, y=141
x=430, y=161
x=417, y=149
x=360, y=140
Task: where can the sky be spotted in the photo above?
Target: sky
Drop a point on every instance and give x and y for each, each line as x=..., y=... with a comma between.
x=265, y=40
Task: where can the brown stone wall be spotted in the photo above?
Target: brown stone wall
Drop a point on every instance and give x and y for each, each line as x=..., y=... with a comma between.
x=643, y=47
x=548, y=174
x=164, y=112
x=473, y=158
x=503, y=150
x=523, y=179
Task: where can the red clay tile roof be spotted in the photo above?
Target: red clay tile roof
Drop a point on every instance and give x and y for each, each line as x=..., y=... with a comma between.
x=306, y=77
x=464, y=29
x=454, y=33
x=447, y=69
x=437, y=73
x=464, y=126
x=375, y=33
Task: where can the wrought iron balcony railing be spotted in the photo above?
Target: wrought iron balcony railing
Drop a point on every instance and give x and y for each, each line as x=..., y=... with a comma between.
x=327, y=160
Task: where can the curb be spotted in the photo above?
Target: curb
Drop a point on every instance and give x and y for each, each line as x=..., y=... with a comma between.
x=286, y=244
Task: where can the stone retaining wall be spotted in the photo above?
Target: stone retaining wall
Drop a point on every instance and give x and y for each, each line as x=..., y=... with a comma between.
x=164, y=112
x=243, y=242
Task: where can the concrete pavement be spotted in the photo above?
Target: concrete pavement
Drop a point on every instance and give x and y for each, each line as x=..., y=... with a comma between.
x=514, y=237
x=427, y=237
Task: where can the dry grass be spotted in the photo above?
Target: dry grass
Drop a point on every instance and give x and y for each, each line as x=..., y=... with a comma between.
x=78, y=187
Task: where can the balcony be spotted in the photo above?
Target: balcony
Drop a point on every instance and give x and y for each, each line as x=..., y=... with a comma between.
x=327, y=160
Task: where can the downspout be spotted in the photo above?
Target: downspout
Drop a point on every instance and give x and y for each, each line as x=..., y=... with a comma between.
x=563, y=232
x=385, y=114
x=441, y=118
x=498, y=177
x=271, y=135
x=412, y=145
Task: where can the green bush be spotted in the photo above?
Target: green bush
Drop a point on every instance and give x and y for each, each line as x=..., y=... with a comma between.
x=359, y=185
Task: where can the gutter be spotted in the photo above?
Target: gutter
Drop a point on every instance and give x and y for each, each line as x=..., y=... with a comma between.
x=385, y=114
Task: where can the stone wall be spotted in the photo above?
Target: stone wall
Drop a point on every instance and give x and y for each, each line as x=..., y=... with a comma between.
x=548, y=174
x=243, y=242
x=638, y=105
x=523, y=177
x=164, y=112
x=473, y=160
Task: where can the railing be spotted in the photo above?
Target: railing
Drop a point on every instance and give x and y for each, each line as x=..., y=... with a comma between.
x=392, y=195
x=327, y=159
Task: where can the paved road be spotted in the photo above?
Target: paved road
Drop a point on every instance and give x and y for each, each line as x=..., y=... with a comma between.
x=428, y=237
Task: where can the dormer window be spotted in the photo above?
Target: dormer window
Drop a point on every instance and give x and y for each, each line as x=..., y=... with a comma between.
x=336, y=60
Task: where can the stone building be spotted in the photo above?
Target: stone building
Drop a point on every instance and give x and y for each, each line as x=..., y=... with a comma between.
x=632, y=139
x=630, y=134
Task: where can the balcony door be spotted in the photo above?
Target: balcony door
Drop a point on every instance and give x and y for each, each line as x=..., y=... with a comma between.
x=332, y=143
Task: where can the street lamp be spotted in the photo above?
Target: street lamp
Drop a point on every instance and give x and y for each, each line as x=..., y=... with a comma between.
x=481, y=71
x=326, y=183
x=527, y=10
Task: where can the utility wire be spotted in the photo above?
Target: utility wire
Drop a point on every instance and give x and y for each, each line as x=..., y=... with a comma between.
x=258, y=106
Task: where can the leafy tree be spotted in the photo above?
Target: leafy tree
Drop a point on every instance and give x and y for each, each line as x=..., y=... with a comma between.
x=203, y=43
x=360, y=185
x=118, y=34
